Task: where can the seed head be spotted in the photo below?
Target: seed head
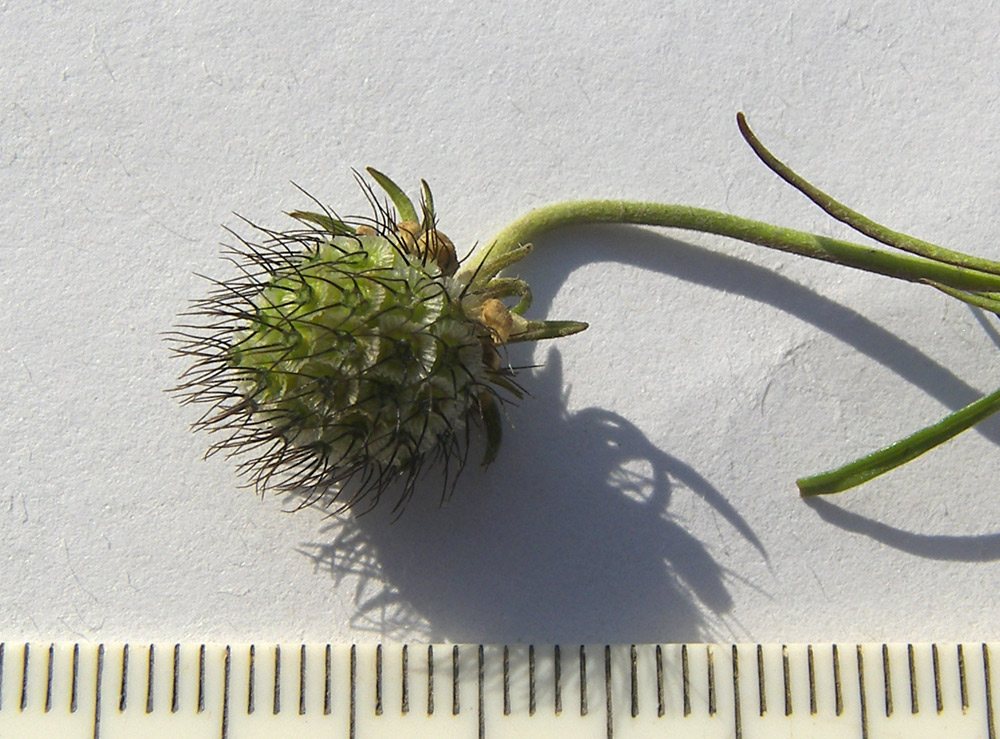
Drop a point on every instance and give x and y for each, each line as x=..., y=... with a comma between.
x=347, y=355
x=344, y=358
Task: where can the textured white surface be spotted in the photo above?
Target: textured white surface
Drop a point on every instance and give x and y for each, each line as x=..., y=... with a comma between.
x=646, y=493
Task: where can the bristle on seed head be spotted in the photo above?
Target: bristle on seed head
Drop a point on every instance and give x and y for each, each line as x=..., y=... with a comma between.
x=343, y=359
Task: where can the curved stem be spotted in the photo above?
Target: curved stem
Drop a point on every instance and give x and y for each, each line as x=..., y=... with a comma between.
x=956, y=280
x=485, y=265
x=901, y=452
x=970, y=279
x=855, y=220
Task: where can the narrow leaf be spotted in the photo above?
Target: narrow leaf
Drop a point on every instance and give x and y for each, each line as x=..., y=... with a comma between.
x=428, y=205
x=494, y=427
x=324, y=221
x=538, y=330
x=404, y=206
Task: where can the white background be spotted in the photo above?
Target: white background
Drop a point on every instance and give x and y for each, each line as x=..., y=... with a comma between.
x=646, y=491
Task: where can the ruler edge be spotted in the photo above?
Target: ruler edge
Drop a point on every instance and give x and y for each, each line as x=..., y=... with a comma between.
x=730, y=658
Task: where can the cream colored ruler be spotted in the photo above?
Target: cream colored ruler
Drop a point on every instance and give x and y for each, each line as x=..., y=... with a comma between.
x=192, y=690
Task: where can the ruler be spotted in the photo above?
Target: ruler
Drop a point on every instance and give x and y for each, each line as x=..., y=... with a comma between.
x=476, y=691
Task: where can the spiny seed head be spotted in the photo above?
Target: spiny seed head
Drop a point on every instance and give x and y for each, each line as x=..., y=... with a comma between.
x=361, y=346
x=345, y=357
x=348, y=353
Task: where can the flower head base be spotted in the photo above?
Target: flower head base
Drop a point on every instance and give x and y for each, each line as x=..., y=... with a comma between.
x=348, y=355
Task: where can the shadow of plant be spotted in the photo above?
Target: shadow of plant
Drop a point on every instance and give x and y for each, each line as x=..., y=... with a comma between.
x=570, y=536
x=577, y=545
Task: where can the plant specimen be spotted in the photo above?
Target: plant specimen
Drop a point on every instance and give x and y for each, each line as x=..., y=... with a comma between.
x=351, y=352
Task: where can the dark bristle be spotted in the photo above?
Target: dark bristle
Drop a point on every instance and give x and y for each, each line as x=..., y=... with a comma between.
x=277, y=448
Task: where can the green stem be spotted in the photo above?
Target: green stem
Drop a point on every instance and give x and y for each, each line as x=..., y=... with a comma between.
x=512, y=243
x=978, y=300
x=970, y=279
x=490, y=260
x=855, y=220
x=901, y=452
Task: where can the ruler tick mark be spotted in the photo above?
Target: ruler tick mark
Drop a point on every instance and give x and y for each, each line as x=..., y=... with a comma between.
x=962, y=684
x=24, y=677
x=430, y=680
x=405, y=699
x=276, y=695
x=48, y=678
x=811, y=662
x=175, y=679
x=711, y=681
x=661, y=709
x=914, y=699
x=557, y=667
x=634, y=679
x=378, y=680
x=352, y=711
x=201, y=678
x=151, y=657
x=686, y=679
x=838, y=691
x=251, y=674
x=787, y=679
x=584, y=708
x=327, y=664
x=990, y=725
x=531, y=679
x=74, y=679
x=936, y=663
x=97, y=691
x=123, y=690
x=302, y=680
x=506, y=680
x=226, y=674
x=737, y=719
x=861, y=693
x=761, y=689
x=454, y=681
x=608, y=707
x=887, y=680
x=481, y=692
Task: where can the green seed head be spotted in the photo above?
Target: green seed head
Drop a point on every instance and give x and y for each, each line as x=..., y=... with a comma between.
x=349, y=354
x=346, y=356
x=361, y=349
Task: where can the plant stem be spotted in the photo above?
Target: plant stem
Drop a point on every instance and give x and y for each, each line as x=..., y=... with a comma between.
x=894, y=455
x=855, y=220
x=963, y=281
x=901, y=266
x=970, y=279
